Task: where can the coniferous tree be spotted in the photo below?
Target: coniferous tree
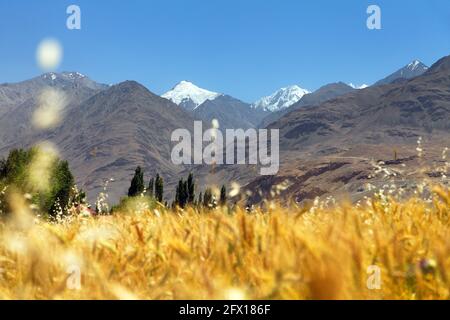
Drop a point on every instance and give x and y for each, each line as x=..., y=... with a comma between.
x=190, y=189
x=223, y=196
x=185, y=193
x=2, y=168
x=137, y=183
x=159, y=188
x=64, y=179
x=182, y=194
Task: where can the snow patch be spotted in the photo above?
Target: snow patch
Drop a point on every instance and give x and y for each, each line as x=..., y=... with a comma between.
x=73, y=75
x=50, y=75
x=363, y=86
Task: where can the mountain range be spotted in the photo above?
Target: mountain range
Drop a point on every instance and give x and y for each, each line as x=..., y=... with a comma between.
x=336, y=147
x=106, y=131
x=207, y=105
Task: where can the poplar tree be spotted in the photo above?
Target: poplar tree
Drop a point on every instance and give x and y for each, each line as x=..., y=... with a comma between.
x=190, y=189
x=159, y=188
x=137, y=183
x=223, y=196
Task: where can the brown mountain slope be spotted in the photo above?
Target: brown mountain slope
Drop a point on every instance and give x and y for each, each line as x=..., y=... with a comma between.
x=115, y=131
x=334, y=148
x=16, y=113
x=230, y=112
x=398, y=112
x=13, y=95
x=105, y=131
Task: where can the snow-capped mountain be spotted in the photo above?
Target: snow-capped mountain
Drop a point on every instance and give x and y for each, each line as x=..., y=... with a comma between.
x=354, y=86
x=188, y=95
x=413, y=69
x=416, y=64
x=64, y=79
x=283, y=98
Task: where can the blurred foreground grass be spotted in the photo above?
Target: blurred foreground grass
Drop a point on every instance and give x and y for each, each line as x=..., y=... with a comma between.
x=316, y=253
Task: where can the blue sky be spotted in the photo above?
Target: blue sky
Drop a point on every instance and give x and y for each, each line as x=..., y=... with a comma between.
x=245, y=48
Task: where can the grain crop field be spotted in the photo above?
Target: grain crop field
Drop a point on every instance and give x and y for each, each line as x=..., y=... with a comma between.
x=377, y=249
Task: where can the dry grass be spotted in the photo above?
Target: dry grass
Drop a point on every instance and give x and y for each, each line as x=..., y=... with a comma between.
x=319, y=253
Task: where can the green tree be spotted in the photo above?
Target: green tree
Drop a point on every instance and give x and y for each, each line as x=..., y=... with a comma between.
x=190, y=189
x=223, y=196
x=15, y=167
x=2, y=168
x=159, y=188
x=185, y=192
x=62, y=190
x=16, y=172
x=137, y=183
x=182, y=193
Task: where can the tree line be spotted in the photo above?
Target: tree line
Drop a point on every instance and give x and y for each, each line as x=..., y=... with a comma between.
x=155, y=186
x=61, y=193
x=185, y=194
x=55, y=198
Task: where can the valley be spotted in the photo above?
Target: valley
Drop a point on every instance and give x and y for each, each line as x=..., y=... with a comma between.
x=330, y=140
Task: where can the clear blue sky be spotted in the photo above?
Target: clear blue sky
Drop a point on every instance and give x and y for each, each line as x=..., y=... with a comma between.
x=246, y=48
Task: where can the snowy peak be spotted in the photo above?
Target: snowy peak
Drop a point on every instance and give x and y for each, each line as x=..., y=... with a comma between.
x=281, y=99
x=413, y=69
x=188, y=95
x=416, y=64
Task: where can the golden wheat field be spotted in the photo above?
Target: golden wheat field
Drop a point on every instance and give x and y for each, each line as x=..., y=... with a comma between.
x=323, y=252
